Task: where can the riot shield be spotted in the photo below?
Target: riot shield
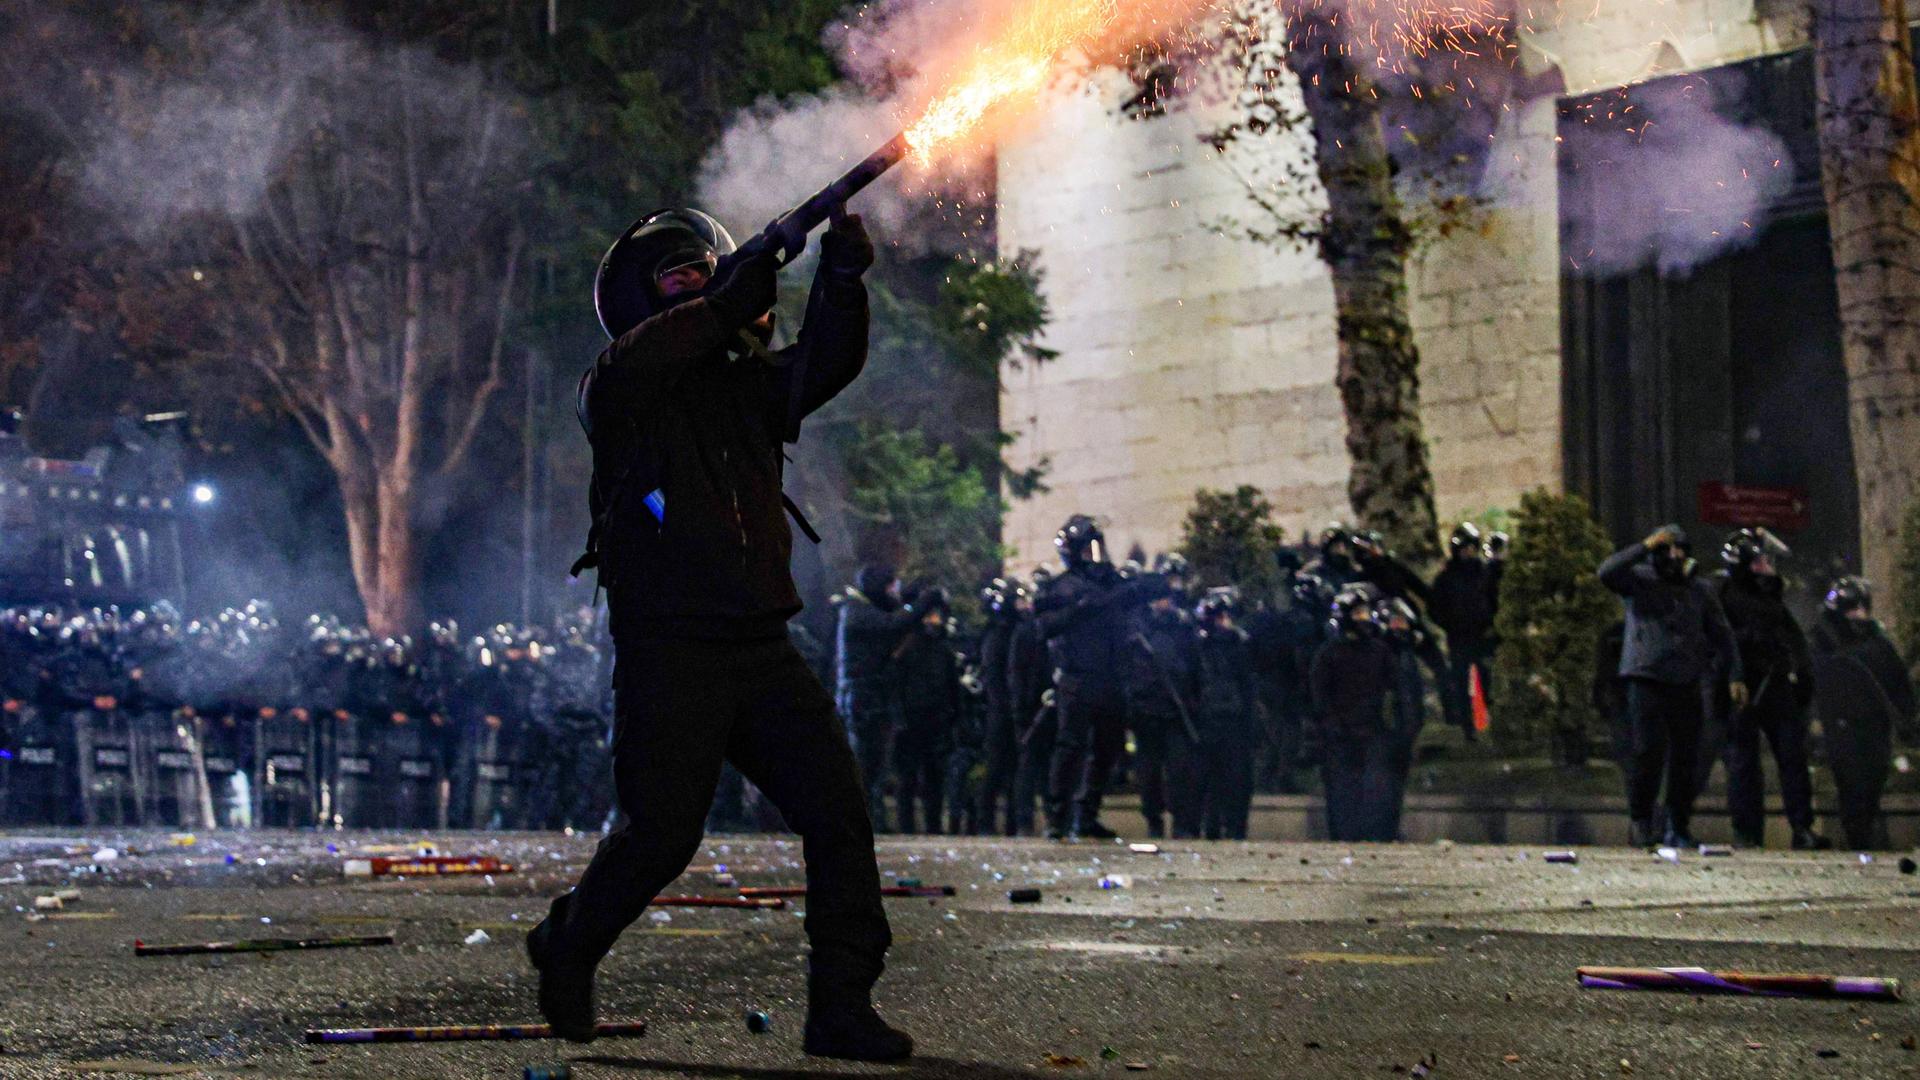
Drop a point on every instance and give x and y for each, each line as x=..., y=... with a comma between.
x=170, y=758
x=42, y=780
x=413, y=777
x=110, y=785
x=285, y=789
x=353, y=772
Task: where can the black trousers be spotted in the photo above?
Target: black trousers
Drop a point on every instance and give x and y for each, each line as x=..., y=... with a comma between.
x=1092, y=735
x=1030, y=774
x=1664, y=721
x=1860, y=751
x=1003, y=761
x=919, y=779
x=681, y=708
x=1456, y=692
x=1227, y=784
x=871, y=723
x=1784, y=723
x=1343, y=769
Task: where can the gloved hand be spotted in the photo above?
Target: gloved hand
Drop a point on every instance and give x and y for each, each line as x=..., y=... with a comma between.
x=1737, y=694
x=746, y=293
x=846, y=251
x=1659, y=537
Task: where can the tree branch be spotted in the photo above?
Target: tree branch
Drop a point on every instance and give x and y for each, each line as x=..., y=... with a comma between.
x=483, y=394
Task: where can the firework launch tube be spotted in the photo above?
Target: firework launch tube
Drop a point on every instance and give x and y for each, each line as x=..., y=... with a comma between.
x=757, y=892
x=424, y=866
x=1695, y=980
x=764, y=902
x=141, y=948
x=787, y=235
x=473, y=1033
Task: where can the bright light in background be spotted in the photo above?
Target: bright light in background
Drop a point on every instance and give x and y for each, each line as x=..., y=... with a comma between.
x=203, y=493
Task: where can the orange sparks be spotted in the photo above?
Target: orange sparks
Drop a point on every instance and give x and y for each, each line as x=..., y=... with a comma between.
x=1014, y=66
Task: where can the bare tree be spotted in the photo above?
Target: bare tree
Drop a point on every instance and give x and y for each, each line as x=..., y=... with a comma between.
x=1869, y=128
x=366, y=277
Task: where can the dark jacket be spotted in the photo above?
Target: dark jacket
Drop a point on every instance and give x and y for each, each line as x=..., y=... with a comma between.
x=667, y=407
x=1029, y=672
x=865, y=638
x=1353, y=685
x=1229, y=703
x=927, y=672
x=1083, y=612
x=1773, y=649
x=1862, y=681
x=1466, y=597
x=996, y=649
x=1163, y=661
x=1676, y=631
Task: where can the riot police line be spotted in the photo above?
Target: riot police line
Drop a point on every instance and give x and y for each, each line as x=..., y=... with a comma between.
x=143, y=718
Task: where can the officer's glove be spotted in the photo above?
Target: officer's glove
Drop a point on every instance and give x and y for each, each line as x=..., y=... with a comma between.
x=1737, y=693
x=746, y=293
x=1658, y=538
x=846, y=251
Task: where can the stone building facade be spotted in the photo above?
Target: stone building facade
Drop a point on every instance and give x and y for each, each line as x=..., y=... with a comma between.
x=1193, y=359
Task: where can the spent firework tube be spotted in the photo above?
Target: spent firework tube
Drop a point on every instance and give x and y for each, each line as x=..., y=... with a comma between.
x=141, y=948
x=424, y=866
x=763, y=902
x=758, y=892
x=1562, y=856
x=1701, y=981
x=470, y=1033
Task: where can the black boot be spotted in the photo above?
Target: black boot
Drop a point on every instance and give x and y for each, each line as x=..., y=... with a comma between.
x=1156, y=827
x=1640, y=834
x=841, y=1023
x=566, y=986
x=1808, y=840
x=1678, y=837
x=1086, y=826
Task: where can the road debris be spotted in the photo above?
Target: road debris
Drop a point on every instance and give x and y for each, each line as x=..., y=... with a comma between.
x=1701, y=981
x=468, y=1033
x=141, y=948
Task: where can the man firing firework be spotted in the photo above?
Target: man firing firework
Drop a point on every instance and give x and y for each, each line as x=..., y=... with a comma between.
x=687, y=411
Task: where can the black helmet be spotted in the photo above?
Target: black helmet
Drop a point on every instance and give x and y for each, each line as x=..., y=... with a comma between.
x=1466, y=538
x=1310, y=590
x=1081, y=541
x=1393, y=609
x=1001, y=595
x=1287, y=560
x=1849, y=593
x=1172, y=564
x=874, y=580
x=1353, y=609
x=1746, y=545
x=1221, y=601
x=1334, y=533
x=624, y=294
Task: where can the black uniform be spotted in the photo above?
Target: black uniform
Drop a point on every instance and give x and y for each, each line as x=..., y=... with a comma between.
x=928, y=677
x=1283, y=641
x=1862, y=693
x=1779, y=670
x=1464, y=600
x=1677, y=643
x=1083, y=613
x=1386, y=785
x=699, y=591
x=1002, y=740
x=1229, y=719
x=1354, y=679
x=1163, y=694
x=869, y=628
x=1029, y=675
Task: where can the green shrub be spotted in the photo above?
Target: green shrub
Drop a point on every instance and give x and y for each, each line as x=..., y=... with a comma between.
x=1228, y=539
x=1553, y=611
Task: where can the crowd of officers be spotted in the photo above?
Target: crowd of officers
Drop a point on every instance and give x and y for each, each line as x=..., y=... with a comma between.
x=143, y=718
x=1026, y=728
x=1017, y=726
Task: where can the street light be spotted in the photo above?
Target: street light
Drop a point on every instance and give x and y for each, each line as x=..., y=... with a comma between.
x=203, y=494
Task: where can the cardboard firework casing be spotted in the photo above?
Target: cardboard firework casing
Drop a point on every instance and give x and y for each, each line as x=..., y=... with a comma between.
x=424, y=866
x=762, y=902
x=470, y=1033
x=1701, y=981
x=758, y=892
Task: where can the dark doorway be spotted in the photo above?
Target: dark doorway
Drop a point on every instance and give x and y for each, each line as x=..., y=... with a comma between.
x=1728, y=371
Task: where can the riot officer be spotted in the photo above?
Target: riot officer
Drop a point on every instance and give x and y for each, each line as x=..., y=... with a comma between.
x=1035, y=722
x=1862, y=692
x=1386, y=784
x=1354, y=679
x=1007, y=604
x=1465, y=599
x=1163, y=692
x=1283, y=637
x=1228, y=718
x=871, y=624
x=1779, y=668
x=1385, y=571
x=1338, y=565
x=1084, y=615
x=1678, y=645
x=687, y=411
x=927, y=677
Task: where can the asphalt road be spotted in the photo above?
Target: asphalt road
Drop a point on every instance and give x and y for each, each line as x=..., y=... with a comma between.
x=1219, y=960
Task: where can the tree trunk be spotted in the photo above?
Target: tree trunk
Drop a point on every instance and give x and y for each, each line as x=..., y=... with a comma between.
x=1365, y=244
x=1869, y=127
x=395, y=609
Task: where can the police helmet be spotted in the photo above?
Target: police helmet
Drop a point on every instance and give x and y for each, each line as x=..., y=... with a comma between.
x=624, y=291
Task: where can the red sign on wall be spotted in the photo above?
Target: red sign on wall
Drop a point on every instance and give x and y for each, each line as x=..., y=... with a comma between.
x=1753, y=505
